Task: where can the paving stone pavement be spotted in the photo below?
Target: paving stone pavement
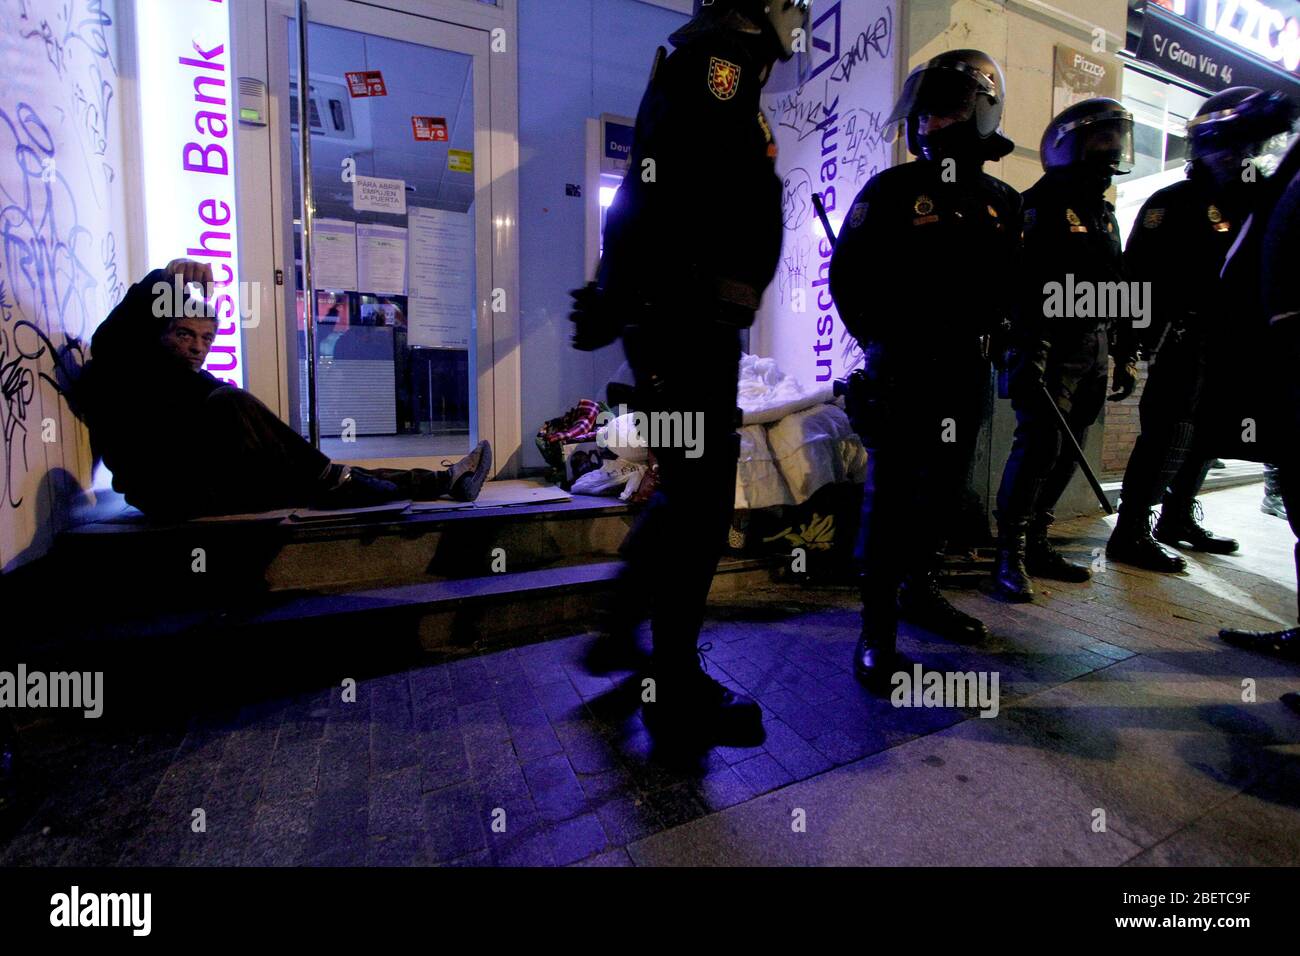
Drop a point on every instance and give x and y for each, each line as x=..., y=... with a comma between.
x=1114, y=696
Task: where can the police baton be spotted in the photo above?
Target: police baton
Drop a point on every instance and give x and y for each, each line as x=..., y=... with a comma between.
x=821, y=214
x=1078, y=452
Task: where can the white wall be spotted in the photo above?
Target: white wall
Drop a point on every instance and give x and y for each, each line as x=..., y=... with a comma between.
x=64, y=260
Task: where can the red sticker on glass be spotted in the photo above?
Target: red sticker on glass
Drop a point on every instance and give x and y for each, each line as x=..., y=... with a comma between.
x=366, y=83
x=429, y=129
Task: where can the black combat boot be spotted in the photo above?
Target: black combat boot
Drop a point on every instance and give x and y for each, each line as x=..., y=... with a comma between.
x=692, y=709
x=1284, y=644
x=921, y=602
x=1044, y=561
x=1131, y=543
x=876, y=653
x=1182, y=523
x=1011, y=578
x=875, y=656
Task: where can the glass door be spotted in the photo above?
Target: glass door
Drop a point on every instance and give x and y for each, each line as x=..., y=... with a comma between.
x=396, y=106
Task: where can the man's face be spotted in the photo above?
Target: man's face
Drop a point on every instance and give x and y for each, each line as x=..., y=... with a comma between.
x=190, y=340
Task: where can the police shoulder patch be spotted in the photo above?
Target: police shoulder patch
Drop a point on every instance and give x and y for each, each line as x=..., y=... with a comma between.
x=724, y=78
x=924, y=205
x=857, y=215
x=1153, y=218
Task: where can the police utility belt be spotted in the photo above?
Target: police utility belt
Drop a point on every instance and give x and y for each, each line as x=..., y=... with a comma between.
x=726, y=302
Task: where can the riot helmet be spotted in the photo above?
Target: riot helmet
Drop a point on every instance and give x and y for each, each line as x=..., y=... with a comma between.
x=1234, y=127
x=1093, y=135
x=953, y=107
x=779, y=20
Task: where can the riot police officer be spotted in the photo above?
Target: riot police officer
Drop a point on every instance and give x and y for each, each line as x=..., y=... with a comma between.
x=1253, y=378
x=687, y=258
x=919, y=276
x=1179, y=244
x=1059, y=340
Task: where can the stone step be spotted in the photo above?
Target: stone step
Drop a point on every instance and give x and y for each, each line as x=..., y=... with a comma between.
x=343, y=554
x=449, y=617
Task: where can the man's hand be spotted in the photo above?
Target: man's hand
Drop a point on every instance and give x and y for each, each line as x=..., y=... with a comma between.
x=191, y=271
x=1124, y=381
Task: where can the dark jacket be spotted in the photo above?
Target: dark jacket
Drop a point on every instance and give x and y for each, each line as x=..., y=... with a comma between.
x=1071, y=237
x=925, y=261
x=708, y=227
x=140, y=403
x=1179, y=243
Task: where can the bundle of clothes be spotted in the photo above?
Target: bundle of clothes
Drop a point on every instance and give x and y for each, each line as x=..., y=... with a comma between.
x=793, y=442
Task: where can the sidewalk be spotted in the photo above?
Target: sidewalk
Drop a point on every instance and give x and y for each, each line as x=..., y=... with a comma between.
x=1115, y=697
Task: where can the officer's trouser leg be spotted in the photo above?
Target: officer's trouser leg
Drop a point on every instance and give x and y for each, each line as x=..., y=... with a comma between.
x=880, y=535
x=1085, y=405
x=1034, y=450
x=680, y=537
x=1186, y=484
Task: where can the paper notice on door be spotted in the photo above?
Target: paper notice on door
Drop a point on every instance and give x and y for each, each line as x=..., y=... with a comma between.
x=440, y=309
x=370, y=194
x=381, y=259
x=334, y=255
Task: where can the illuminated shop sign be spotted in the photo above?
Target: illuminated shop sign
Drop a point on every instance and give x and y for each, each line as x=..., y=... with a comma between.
x=187, y=102
x=1254, y=25
x=1206, y=59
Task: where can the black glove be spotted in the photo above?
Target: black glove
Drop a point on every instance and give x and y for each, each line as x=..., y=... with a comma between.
x=594, y=325
x=1027, y=367
x=867, y=400
x=1124, y=380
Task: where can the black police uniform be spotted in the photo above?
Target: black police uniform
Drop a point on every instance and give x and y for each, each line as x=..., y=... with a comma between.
x=1069, y=229
x=1179, y=243
x=920, y=273
x=1252, y=409
x=691, y=241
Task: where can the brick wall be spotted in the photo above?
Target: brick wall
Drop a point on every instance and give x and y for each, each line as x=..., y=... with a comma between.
x=1121, y=430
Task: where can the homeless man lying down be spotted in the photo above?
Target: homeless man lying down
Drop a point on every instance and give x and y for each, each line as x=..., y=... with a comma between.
x=181, y=444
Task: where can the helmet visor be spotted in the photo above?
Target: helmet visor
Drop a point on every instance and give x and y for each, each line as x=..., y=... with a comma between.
x=948, y=91
x=1102, y=139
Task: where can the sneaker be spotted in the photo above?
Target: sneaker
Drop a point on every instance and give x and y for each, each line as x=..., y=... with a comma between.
x=1272, y=505
x=468, y=474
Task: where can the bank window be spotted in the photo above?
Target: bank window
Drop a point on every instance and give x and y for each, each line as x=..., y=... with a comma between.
x=1160, y=114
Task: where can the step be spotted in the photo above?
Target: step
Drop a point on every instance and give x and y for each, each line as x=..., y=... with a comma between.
x=351, y=552
x=450, y=617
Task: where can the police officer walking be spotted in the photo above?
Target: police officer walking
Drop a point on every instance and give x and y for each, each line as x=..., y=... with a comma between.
x=1181, y=239
x=686, y=260
x=1061, y=338
x=919, y=275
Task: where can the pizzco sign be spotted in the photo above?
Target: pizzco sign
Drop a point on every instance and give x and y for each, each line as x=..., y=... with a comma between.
x=1251, y=25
